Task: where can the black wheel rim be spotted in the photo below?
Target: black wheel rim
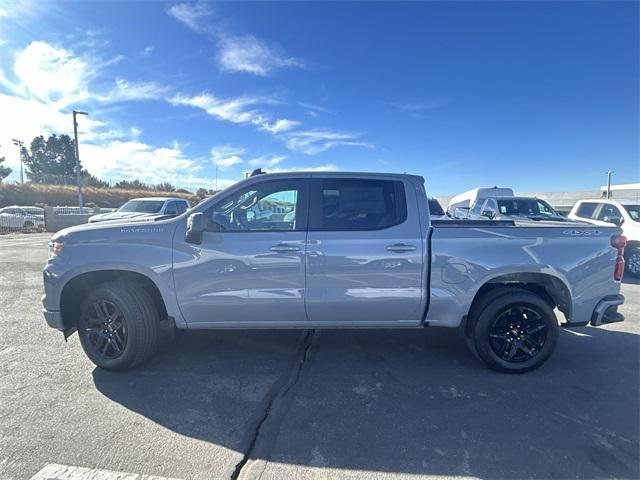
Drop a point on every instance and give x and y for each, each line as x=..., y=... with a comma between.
x=518, y=334
x=633, y=263
x=106, y=330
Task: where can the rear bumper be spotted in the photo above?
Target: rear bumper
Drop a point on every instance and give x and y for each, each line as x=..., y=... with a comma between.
x=607, y=310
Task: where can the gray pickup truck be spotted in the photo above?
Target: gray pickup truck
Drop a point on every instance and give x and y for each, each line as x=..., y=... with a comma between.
x=330, y=250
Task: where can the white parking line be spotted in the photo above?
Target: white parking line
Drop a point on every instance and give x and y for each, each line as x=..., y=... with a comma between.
x=54, y=471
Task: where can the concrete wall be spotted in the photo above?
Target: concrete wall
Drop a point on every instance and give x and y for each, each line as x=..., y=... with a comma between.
x=54, y=220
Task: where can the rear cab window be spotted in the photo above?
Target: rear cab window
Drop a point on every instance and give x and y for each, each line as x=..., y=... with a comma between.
x=586, y=209
x=356, y=204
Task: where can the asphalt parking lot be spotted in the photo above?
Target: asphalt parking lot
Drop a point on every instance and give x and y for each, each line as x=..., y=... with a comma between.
x=310, y=404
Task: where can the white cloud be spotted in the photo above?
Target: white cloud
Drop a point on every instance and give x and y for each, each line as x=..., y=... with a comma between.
x=240, y=110
x=316, y=141
x=124, y=91
x=47, y=81
x=327, y=167
x=148, y=50
x=248, y=54
x=226, y=156
x=117, y=160
x=267, y=161
x=57, y=77
x=51, y=74
x=244, y=111
x=191, y=14
x=279, y=126
x=314, y=110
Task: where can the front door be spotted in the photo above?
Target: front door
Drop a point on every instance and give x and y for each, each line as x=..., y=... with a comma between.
x=364, y=252
x=249, y=268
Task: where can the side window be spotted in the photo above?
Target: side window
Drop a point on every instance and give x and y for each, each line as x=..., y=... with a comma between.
x=171, y=208
x=608, y=211
x=490, y=206
x=182, y=207
x=544, y=208
x=268, y=206
x=477, y=208
x=586, y=209
x=357, y=204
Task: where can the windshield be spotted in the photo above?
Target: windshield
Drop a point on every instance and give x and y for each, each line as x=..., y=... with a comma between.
x=526, y=207
x=142, y=206
x=434, y=207
x=633, y=211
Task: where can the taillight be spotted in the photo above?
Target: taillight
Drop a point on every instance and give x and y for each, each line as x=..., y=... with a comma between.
x=619, y=242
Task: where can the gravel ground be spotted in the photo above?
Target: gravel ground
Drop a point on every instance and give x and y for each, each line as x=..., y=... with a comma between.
x=311, y=404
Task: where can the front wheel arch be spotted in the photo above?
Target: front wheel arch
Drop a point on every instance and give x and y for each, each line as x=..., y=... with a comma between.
x=79, y=286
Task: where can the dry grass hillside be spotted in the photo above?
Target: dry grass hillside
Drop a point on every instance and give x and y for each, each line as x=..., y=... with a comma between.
x=55, y=195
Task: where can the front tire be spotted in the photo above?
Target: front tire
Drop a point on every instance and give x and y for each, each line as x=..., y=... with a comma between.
x=119, y=326
x=514, y=331
x=632, y=262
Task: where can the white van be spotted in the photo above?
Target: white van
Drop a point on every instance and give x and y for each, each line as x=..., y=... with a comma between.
x=460, y=205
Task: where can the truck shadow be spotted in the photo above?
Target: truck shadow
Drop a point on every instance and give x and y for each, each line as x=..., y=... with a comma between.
x=412, y=401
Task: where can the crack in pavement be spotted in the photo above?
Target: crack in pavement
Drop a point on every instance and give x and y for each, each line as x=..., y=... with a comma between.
x=280, y=391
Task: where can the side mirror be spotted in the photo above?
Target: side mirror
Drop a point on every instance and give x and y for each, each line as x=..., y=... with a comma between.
x=196, y=225
x=488, y=213
x=615, y=220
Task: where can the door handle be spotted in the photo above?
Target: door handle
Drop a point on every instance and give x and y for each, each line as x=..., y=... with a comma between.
x=401, y=247
x=284, y=248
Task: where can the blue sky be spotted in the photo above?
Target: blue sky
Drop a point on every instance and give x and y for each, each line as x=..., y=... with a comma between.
x=536, y=96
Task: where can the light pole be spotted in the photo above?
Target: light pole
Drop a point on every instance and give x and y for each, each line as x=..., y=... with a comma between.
x=78, y=175
x=19, y=143
x=609, y=183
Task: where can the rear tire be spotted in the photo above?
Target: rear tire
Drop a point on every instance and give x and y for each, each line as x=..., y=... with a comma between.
x=513, y=330
x=119, y=326
x=632, y=262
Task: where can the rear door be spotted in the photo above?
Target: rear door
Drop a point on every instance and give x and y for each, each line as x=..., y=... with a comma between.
x=364, y=252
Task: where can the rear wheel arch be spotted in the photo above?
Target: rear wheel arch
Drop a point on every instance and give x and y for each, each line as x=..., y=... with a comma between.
x=548, y=287
x=81, y=285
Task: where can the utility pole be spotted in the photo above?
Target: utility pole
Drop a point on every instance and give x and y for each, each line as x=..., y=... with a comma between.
x=216, y=187
x=78, y=173
x=19, y=143
x=609, y=183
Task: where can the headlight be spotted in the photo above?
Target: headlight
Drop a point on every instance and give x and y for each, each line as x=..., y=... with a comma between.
x=54, y=249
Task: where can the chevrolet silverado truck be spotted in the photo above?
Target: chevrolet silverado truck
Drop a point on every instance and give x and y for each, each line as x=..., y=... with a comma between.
x=331, y=250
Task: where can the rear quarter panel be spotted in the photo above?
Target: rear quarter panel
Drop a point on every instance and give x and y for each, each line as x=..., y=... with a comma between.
x=465, y=258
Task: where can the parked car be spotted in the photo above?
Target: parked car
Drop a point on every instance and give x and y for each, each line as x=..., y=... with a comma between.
x=460, y=204
x=17, y=218
x=144, y=209
x=435, y=210
x=611, y=212
x=37, y=211
x=511, y=208
x=360, y=251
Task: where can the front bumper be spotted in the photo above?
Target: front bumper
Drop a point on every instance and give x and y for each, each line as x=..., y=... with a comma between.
x=607, y=310
x=54, y=319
